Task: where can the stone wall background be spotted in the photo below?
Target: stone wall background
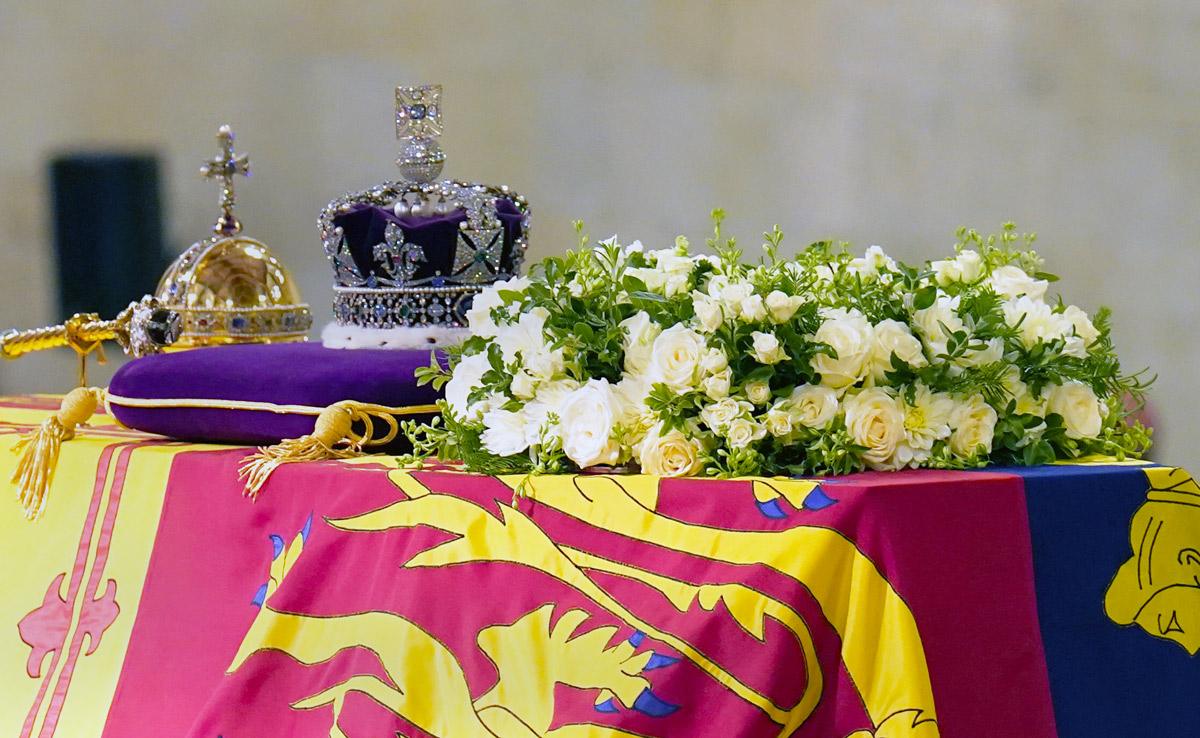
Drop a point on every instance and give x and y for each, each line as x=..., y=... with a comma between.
x=864, y=121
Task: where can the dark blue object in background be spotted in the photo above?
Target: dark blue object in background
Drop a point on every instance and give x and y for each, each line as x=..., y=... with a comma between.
x=108, y=232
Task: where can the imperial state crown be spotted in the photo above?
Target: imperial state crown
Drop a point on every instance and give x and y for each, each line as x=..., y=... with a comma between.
x=410, y=256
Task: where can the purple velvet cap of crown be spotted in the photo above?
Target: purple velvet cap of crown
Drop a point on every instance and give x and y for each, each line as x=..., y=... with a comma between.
x=281, y=374
x=437, y=235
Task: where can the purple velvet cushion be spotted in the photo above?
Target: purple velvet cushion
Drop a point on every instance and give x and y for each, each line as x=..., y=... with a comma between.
x=281, y=374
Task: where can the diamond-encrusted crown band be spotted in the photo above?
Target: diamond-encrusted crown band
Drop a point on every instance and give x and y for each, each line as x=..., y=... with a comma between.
x=415, y=253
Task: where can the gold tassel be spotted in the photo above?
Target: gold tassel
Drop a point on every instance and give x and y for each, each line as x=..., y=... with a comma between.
x=39, y=448
x=333, y=437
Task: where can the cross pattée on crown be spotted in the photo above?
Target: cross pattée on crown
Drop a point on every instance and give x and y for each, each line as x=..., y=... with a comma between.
x=224, y=167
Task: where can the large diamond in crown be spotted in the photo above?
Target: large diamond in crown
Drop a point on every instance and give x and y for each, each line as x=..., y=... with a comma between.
x=410, y=256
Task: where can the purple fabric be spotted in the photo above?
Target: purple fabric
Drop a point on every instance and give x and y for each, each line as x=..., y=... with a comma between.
x=282, y=374
x=436, y=234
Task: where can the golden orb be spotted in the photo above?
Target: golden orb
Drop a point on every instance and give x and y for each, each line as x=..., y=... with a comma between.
x=233, y=290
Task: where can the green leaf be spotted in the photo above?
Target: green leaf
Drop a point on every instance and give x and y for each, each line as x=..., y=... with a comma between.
x=925, y=297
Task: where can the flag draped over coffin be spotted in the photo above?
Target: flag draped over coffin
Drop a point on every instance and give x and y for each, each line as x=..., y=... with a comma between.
x=357, y=600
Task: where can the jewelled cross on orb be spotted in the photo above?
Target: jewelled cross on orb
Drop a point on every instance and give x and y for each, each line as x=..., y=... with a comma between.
x=418, y=126
x=224, y=167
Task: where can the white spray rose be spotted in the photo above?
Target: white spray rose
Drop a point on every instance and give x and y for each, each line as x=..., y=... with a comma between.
x=872, y=263
x=1011, y=281
x=778, y=421
x=479, y=317
x=714, y=361
x=991, y=351
x=730, y=294
x=1081, y=324
x=752, y=309
x=674, y=270
x=717, y=386
x=670, y=454
x=640, y=333
x=1027, y=404
x=766, y=348
x=894, y=337
x=1079, y=408
x=525, y=343
x=741, y=432
x=782, y=307
x=758, y=392
x=875, y=420
x=586, y=420
x=549, y=398
x=851, y=336
x=1038, y=322
x=930, y=321
x=812, y=405
x=974, y=424
x=504, y=432
x=709, y=315
x=523, y=386
x=675, y=358
x=966, y=267
x=720, y=414
x=467, y=376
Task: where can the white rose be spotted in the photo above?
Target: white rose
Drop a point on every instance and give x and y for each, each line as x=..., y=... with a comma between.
x=675, y=358
x=742, y=432
x=709, y=315
x=586, y=420
x=640, y=333
x=504, y=432
x=874, y=419
x=1011, y=281
x=670, y=454
x=1079, y=408
x=717, y=386
x=894, y=337
x=752, y=309
x=758, y=392
x=766, y=348
x=1038, y=322
x=813, y=405
x=929, y=322
x=467, y=376
x=974, y=424
x=720, y=414
x=850, y=335
x=782, y=307
x=778, y=421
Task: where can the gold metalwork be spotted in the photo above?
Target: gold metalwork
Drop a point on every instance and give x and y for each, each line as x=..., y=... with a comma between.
x=230, y=288
x=144, y=327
